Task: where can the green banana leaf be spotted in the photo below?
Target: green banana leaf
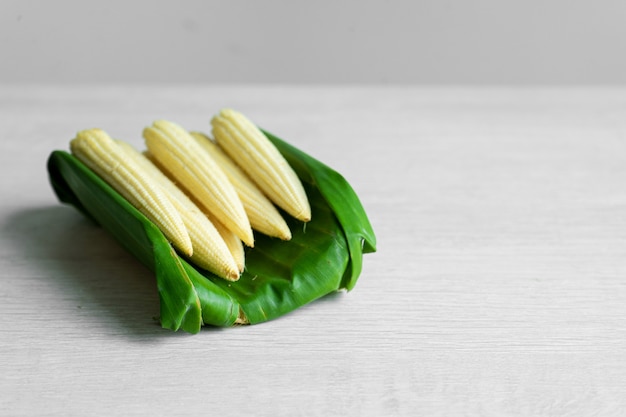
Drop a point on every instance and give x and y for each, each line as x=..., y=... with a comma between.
x=323, y=256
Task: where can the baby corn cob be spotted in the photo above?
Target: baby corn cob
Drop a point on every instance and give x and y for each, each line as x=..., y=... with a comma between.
x=173, y=147
x=210, y=251
x=264, y=217
x=260, y=159
x=98, y=151
x=234, y=244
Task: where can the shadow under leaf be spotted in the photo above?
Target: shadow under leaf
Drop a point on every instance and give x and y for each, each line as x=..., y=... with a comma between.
x=91, y=271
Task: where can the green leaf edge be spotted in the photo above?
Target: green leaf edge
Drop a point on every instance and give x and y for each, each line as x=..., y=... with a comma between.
x=352, y=217
x=179, y=303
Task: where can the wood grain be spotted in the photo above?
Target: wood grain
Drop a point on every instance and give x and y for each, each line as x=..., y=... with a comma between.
x=499, y=287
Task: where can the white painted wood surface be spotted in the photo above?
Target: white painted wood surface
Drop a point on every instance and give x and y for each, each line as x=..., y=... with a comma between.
x=499, y=286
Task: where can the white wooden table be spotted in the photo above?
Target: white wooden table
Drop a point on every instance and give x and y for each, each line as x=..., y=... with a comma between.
x=499, y=286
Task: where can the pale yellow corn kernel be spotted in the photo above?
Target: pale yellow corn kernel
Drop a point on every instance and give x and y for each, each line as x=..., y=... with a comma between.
x=98, y=151
x=264, y=217
x=263, y=163
x=210, y=251
x=175, y=149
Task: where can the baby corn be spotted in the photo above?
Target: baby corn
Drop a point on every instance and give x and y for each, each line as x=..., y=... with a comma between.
x=260, y=159
x=210, y=251
x=98, y=151
x=173, y=147
x=234, y=244
x=264, y=217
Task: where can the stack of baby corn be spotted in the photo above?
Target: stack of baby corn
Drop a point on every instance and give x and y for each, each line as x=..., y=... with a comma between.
x=206, y=195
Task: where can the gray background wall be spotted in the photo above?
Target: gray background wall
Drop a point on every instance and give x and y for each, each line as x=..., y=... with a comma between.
x=431, y=41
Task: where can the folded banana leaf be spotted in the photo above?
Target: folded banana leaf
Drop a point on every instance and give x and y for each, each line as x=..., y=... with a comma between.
x=323, y=256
